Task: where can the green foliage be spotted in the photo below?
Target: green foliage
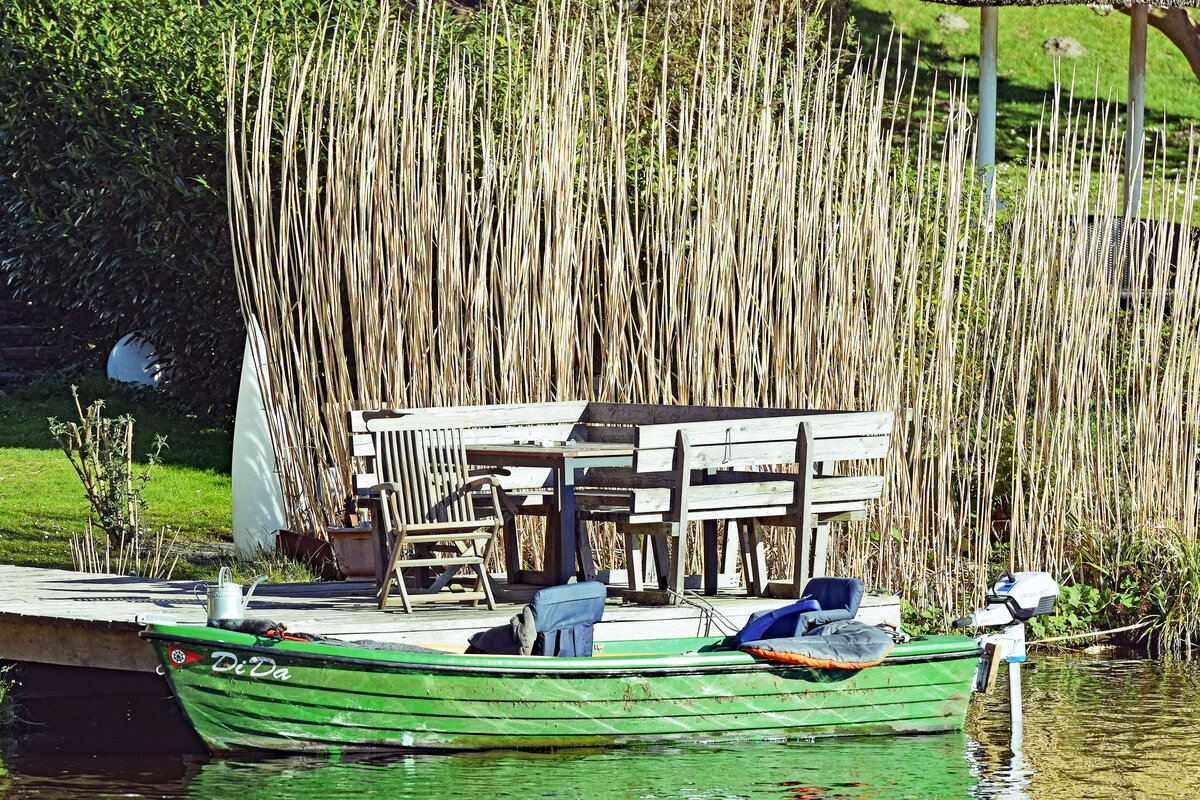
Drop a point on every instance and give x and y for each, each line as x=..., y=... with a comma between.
x=8, y=712
x=1079, y=609
x=101, y=451
x=921, y=620
x=112, y=172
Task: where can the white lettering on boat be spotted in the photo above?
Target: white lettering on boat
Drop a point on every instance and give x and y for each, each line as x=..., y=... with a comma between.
x=254, y=667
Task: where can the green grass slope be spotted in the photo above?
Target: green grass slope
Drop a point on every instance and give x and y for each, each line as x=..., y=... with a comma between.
x=1026, y=74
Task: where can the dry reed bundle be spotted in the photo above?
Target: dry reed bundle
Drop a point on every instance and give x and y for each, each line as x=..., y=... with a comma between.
x=540, y=213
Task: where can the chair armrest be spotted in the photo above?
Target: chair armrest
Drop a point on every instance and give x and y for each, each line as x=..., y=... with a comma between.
x=388, y=486
x=480, y=481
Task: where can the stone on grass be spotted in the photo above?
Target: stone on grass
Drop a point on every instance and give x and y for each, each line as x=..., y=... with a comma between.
x=953, y=23
x=1064, y=47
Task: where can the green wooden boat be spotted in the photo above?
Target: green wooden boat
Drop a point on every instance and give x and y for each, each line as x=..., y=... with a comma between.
x=242, y=691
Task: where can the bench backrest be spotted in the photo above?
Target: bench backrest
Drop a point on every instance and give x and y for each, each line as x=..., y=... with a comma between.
x=493, y=424
x=715, y=451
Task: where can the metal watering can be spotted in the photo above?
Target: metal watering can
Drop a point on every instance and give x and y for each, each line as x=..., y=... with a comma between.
x=225, y=597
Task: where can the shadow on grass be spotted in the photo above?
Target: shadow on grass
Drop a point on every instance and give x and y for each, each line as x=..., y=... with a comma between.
x=1019, y=105
x=190, y=442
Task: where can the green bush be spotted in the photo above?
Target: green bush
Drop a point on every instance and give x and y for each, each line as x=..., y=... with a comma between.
x=112, y=172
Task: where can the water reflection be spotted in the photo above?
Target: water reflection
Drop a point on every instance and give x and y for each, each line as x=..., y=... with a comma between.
x=930, y=766
x=1093, y=728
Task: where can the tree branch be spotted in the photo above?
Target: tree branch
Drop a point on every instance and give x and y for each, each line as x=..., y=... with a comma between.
x=1178, y=26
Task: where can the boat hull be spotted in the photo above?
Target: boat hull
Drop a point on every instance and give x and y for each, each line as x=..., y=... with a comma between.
x=243, y=692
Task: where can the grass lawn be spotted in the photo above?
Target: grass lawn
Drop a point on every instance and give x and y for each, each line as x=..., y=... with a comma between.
x=42, y=500
x=1027, y=74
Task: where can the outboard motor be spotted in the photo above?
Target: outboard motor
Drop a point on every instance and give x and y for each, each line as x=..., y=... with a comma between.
x=1014, y=598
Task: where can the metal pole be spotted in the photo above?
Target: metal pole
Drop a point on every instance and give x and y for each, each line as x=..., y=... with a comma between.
x=985, y=151
x=1015, y=714
x=1136, y=110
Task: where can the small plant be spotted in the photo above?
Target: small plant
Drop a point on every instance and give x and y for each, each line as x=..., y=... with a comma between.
x=8, y=711
x=158, y=561
x=276, y=567
x=101, y=451
x=920, y=620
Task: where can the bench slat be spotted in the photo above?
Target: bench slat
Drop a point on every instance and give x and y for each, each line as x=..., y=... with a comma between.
x=735, y=496
x=720, y=432
x=763, y=452
x=568, y=411
x=652, y=414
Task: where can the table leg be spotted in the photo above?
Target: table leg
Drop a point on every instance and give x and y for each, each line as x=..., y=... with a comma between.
x=709, y=548
x=710, y=556
x=564, y=505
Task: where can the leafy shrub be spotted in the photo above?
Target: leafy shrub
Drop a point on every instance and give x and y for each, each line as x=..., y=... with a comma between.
x=101, y=451
x=112, y=172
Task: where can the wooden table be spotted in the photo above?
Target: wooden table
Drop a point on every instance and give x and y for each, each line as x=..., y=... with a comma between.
x=564, y=459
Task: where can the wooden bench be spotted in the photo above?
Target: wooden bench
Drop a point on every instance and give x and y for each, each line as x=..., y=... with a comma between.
x=700, y=471
x=724, y=444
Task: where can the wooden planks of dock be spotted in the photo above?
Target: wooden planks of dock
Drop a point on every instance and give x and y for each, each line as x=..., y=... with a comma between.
x=89, y=620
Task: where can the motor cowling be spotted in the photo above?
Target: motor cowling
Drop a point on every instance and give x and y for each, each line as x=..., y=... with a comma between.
x=1014, y=597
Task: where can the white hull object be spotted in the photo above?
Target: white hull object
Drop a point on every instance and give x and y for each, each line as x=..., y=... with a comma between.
x=258, y=509
x=133, y=360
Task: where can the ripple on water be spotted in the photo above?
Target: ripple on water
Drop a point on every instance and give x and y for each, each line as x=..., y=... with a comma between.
x=1104, y=728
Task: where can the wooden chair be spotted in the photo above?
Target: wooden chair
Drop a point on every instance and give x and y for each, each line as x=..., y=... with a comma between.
x=428, y=516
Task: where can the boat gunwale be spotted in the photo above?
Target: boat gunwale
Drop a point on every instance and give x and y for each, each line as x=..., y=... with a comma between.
x=723, y=661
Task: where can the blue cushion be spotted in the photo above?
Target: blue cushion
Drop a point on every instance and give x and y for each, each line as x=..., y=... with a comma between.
x=776, y=624
x=831, y=593
x=563, y=617
x=568, y=605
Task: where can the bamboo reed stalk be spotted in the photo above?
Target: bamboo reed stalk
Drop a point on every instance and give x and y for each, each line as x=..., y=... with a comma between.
x=548, y=211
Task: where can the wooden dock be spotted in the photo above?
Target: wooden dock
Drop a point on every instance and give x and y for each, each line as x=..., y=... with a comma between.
x=89, y=620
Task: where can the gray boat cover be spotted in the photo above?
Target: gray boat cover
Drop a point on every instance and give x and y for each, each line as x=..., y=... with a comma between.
x=845, y=644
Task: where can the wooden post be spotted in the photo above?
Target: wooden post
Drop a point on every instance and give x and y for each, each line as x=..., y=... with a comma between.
x=985, y=148
x=820, y=567
x=679, y=511
x=633, y=560
x=1135, y=110
x=754, y=557
x=803, y=505
x=583, y=550
x=512, y=550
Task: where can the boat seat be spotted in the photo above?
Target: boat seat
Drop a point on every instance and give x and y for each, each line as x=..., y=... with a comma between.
x=557, y=622
x=823, y=600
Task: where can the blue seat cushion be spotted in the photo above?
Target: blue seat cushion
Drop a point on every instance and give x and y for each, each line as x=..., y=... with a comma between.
x=567, y=606
x=557, y=622
x=563, y=617
x=831, y=593
x=776, y=624
x=823, y=600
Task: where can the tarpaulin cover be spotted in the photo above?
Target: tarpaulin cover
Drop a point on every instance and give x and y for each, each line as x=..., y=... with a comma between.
x=846, y=644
